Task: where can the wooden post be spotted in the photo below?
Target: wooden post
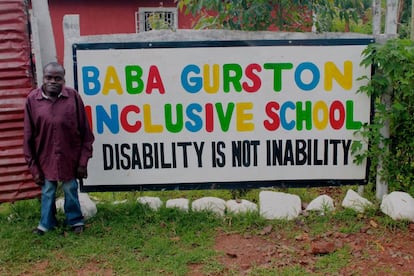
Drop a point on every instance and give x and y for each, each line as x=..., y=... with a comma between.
x=390, y=33
x=412, y=20
x=391, y=18
x=44, y=40
x=71, y=33
x=376, y=17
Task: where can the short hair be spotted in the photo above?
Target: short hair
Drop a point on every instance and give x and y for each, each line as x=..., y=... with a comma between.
x=54, y=64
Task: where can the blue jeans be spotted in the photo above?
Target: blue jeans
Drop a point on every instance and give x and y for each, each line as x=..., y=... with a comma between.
x=72, y=208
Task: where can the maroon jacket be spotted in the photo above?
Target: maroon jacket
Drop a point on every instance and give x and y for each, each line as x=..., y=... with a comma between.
x=57, y=135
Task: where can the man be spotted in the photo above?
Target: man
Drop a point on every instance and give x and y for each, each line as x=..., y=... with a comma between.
x=57, y=146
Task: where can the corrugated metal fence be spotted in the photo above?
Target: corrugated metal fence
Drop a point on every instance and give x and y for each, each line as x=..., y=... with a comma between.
x=16, y=79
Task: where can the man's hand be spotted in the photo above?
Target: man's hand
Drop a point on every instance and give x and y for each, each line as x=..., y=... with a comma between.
x=39, y=180
x=82, y=172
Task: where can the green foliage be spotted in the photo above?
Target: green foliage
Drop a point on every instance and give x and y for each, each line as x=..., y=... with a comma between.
x=295, y=270
x=404, y=27
x=157, y=21
x=392, y=89
x=298, y=15
x=259, y=15
x=249, y=15
x=132, y=239
x=333, y=261
x=124, y=239
x=329, y=13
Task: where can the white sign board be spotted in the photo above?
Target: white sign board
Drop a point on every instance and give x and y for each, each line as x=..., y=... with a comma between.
x=244, y=113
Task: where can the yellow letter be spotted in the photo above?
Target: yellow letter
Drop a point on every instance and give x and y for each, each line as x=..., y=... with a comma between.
x=320, y=106
x=211, y=89
x=243, y=118
x=148, y=126
x=332, y=72
x=111, y=82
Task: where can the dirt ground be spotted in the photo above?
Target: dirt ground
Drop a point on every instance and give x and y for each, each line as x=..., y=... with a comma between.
x=374, y=250
x=370, y=254
x=391, y=253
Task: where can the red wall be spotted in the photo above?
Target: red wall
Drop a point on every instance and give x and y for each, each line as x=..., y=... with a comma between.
x=109, y=17
x=103, y=17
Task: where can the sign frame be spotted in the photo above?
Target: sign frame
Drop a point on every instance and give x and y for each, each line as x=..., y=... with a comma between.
x=239, y=184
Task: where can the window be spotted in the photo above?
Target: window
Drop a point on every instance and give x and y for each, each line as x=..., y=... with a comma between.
x=148, y=19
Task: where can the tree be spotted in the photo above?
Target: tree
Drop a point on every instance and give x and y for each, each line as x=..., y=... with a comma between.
x=246, y=15
x=346, y=11
x=393, y=77
x=282, y=15
x=405, y=17
x=412, y=21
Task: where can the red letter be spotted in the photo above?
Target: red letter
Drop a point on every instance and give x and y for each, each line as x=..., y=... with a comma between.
x=271, y=111
x=209, y=117
x=253, y=77
x=154, y=81
x=337, y=124
x=88, y=111
x=124, y=119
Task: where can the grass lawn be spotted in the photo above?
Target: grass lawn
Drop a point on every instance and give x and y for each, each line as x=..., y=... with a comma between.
x=131, y=239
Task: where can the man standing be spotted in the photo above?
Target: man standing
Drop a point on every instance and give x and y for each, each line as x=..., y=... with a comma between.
x=57, y=146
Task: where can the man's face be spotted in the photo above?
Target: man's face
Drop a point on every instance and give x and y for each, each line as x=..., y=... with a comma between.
x=53, y=80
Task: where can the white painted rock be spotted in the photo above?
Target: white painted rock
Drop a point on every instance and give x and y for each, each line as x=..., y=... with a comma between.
x=398, y=205
x=356, y=202
x=240, y=206
x=277, y=205
x=88, y=207
x=154, y=203
x=179, y=203
x=59, y=204
x=213, y=204
x=116, y=202
x=322, y=203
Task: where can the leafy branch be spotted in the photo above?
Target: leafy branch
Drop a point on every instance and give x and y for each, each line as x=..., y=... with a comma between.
x=283, y=15
x=392, y=80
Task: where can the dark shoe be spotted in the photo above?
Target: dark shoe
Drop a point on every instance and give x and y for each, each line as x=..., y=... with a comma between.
x=78, y=229
x=38, y=232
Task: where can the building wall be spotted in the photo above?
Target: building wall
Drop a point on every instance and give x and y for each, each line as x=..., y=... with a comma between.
x=99, y=17
x=16, y=81
x=103, y=17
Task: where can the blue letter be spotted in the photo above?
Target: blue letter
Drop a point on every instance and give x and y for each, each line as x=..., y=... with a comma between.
x=195, y=118
x=197, y=82
x=285, y=124
x=111, y=121
x=315, y=72
x=90, y=75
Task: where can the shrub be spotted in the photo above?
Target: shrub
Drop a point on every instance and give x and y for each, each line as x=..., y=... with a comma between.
x=392, y=89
